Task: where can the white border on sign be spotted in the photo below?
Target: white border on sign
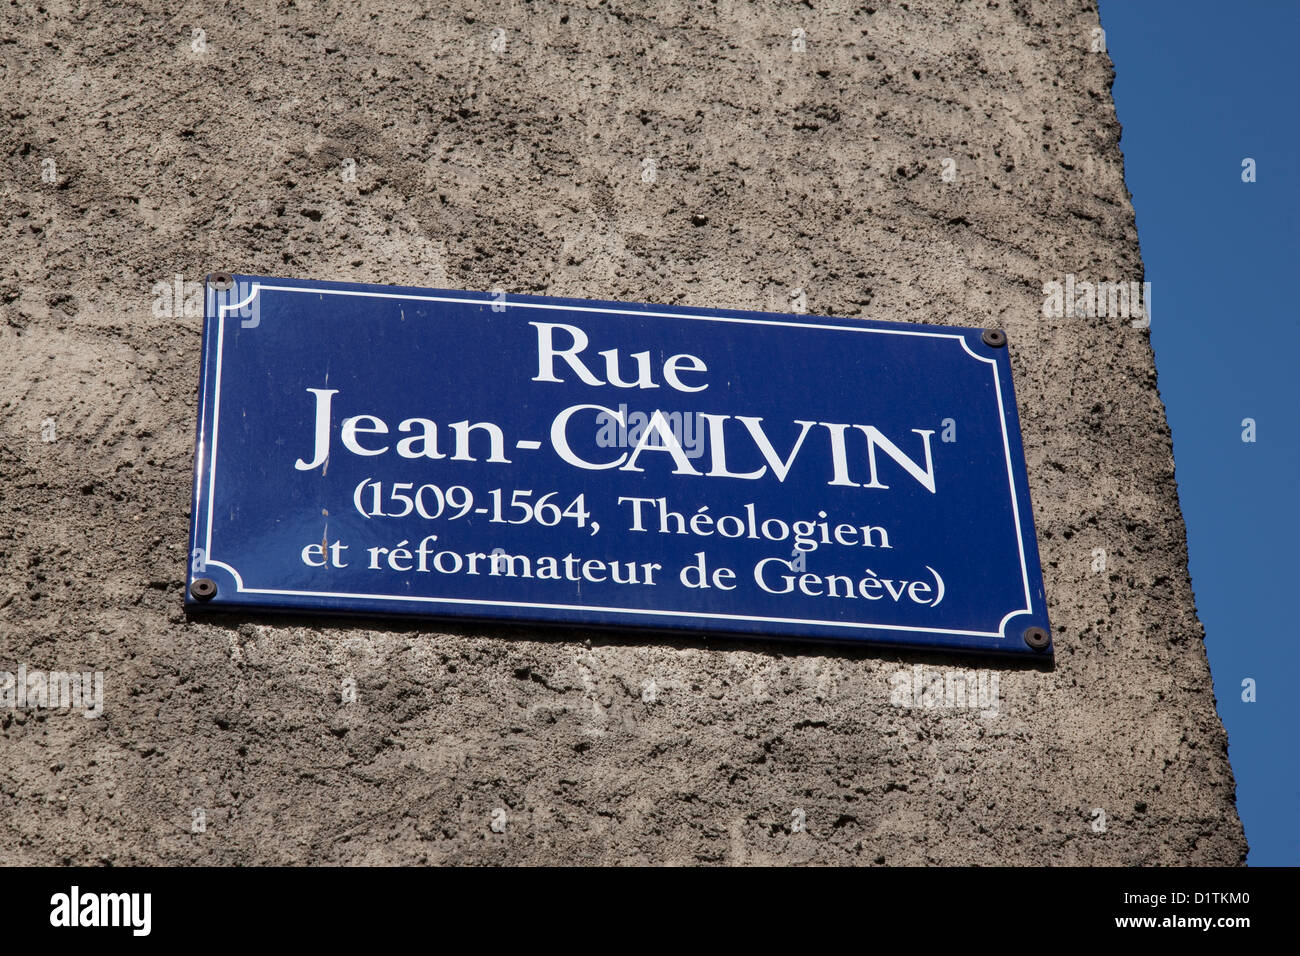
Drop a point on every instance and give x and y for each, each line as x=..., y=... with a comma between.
x=257, y=287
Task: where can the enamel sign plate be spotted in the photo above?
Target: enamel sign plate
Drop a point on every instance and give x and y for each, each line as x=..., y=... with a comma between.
x=398, y=451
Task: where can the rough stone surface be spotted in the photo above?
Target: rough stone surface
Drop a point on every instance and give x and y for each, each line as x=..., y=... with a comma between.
x=776, y=170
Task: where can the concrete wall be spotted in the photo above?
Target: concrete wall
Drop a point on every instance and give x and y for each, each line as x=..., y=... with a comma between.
x=775, y=169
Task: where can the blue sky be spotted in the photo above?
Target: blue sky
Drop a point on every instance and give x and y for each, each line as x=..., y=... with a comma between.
x=1199, y=87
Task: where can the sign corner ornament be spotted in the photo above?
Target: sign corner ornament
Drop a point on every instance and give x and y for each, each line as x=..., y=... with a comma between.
x=382, y=450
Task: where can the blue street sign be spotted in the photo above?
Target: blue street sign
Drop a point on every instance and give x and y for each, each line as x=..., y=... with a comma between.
x=383, y=450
